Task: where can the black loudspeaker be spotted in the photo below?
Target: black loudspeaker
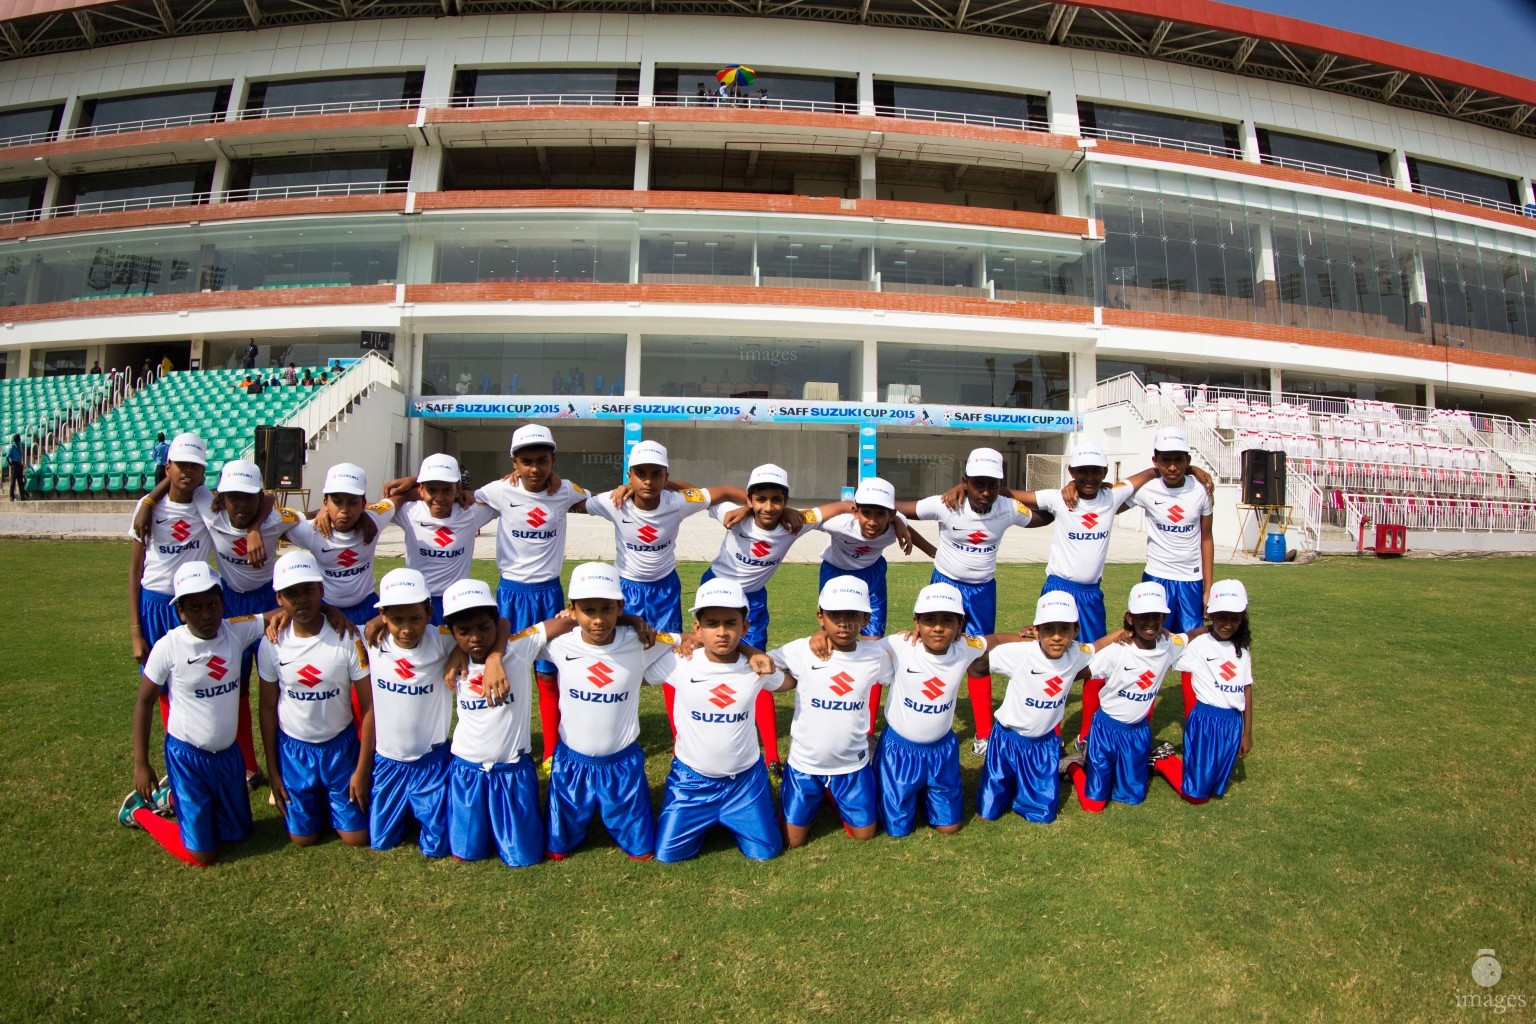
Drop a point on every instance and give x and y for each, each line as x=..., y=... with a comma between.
x=280, y=455
x=1263, y=477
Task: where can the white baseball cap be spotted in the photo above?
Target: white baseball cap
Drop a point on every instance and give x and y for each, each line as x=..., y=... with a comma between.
x=531, y=434
x=844, y=594
x=1055, y=606
x=467, y=594
x=346, y=478
x=939, y=597
x=648, y=453
x=401, y=587
x=194, y=578
x=768, y=474
x=987, y=462
x=240, y=476
x=719, y=593
x=875, y=491
x=1087, y=453
x=1171, y=439
x=1147, y=597
x=439, y=469
x=295, y=567
x=188, y=448
x=595, y=580
x=1228, y=596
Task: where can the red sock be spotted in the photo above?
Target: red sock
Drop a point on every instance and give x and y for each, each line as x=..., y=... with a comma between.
x=1172, y=769
x=874, y=706
x=767, y=727
x=549, y=714
x=357, y=714
x=979, y=688
x=1080, y=783
x=166, y=833
x=1090, y=706
x=243, y=735
x=165, y=710
x=1187, y=684
x=669, y=696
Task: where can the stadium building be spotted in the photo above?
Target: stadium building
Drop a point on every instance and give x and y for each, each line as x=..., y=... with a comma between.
x=926, y=225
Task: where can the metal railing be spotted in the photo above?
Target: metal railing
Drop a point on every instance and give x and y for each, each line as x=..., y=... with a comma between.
x=1413, y=479
x=28, y=140
x=145, y=125
x=1331, y=170
x=537, y=99
x=1021, y=124
x=1306, y=498
x=17, y=216
x=317, y=416
x=755, y=103
x=136, y=203
x=336, y=188
x=1437, y=515
x=1467, y=197
x=1163, y=141
x=333, y=107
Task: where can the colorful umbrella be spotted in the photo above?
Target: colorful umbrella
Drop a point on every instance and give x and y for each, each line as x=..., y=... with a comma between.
x=736, y=74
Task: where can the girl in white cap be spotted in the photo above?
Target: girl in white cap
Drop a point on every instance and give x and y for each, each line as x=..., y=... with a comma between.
x=1218, y=729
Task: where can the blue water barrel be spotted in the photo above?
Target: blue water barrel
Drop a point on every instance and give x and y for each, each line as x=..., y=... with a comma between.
x=1274, y=546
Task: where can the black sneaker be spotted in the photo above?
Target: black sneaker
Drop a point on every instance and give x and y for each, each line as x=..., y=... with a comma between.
x=253, y=781
x=1161, y=751
x=1076, y=758
x=776, y=771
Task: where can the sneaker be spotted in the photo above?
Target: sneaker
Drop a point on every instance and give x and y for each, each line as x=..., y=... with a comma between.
x=979, y=747
x=160, y=801
x=253, y=780
x=131, y=803
x=1076, y=758
x=1162, y=750
x=776, y=771
x=1079, y=744
x=545, y=766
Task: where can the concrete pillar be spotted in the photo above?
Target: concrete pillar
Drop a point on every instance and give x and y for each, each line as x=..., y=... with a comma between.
x=1250, y=141
x=1400, y=173
x=1084, y=370
x=426, y=169
x=51, y=193
x=1429, y=394
x=1061, y=111
x=867, y=176
x=195, y=352
x=643, y=165
x=69, y=115
x=437, y=79
x=219, y=183
x=1276, y=385
x=236, y=99
x=1070, y=201
x=869, y=451
x=870, y=370
x=415, y=428
x=1421, y=315
x=1266, y=291
x=866, y=93
x=632, y=366
x=647, y=97
x=23, y=361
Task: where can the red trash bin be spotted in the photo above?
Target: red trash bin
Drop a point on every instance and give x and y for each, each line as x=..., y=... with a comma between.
x=1391, y=540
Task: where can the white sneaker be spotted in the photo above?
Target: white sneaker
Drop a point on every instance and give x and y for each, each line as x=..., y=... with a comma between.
x=979, y=747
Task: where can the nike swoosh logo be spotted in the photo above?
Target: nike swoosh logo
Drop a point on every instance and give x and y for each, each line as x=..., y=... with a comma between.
x=695, y=679
x=290, y=661
x=572, y=657
x=1036, y=672
x=916, y=672
x=1217, y=658
x=162, y=520
x=194, y=661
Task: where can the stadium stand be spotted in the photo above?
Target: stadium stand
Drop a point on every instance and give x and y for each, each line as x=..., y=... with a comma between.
x=41, y=409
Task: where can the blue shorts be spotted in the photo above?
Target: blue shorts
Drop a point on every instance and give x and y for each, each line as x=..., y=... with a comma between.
x=613, y=786
x=238, y=603
x=495, y=809
x=659, y=602
x=874, y=578
x=362, y=613
x=757, y=614
x=437, y=609
x=316, y=775
x=980, y=601
x=418, y=788
x=212, y=803
x=157, y=615
x=691, y=804
x=1020, y=773
x=855, y=795
x=1116, y=763
x=528, y=604
x=1090, y=606
x=1211, y=738
x=908, y=770
x=1186, y=603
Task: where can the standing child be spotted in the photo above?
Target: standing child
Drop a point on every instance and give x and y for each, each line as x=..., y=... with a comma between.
x=311, y=677
x=1218, y=729
x=1181, y=550
x=439, y=532
x=343, y=539
x=857, y=536
x=176, y=537
x=835, y=698
x=717, y=775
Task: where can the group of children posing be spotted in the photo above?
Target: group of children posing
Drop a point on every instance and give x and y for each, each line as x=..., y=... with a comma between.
x=360, y=733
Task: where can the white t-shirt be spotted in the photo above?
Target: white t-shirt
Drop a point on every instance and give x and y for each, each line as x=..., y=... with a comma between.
x=1220, y=678
x=847, y=547
x=1173, y=527
x=645, y=542
x=530, y=537
x=1133, y=676
x=441, y=549
x=1081, y=541
x=713, y=710
x=345, y=560
x=599, y=688
x=749, y=554
x=1037, y=686
x=489, y=735
x=968, y=541
x=203, y=678
x=921, y=705
x=177, y=536
x=229, y=543
x=412, y=706
x=830, y=732
x=314, y=677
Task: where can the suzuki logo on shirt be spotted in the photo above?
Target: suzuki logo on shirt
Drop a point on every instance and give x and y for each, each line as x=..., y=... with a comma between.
x=309, y=676
x=760, y=549
x=1146, y=679
x=240, y=547
x=976, y=537
x=841, y=684
x=1175, y=514
x=443, y=536
x=1228, y=670
x=723, y=697
x=404, y=669
x=1090, y=519
x=347, y=559
x=1053, y=686
x=180, y=530
x=600, y=676
x=537, y=518
x=862, y=550
x=647, y=533
x=477, y=686
x=218, y=668
x=933, y=688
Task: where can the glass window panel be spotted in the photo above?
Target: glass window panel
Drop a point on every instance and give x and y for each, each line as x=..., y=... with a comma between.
x=979, y=102
x=712, y=367
x=957, y=375
x=490, y=83
x=1459, y=179
x=701, y=82
x=30, y=121
x=1322, y=151
x=212, y=101
x=321, y=169
x=366, y=89
x=1157, y=124
x=523, y=364
x=145, y=183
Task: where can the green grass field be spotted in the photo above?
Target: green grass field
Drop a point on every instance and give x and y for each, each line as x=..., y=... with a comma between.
x=1377, y=837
